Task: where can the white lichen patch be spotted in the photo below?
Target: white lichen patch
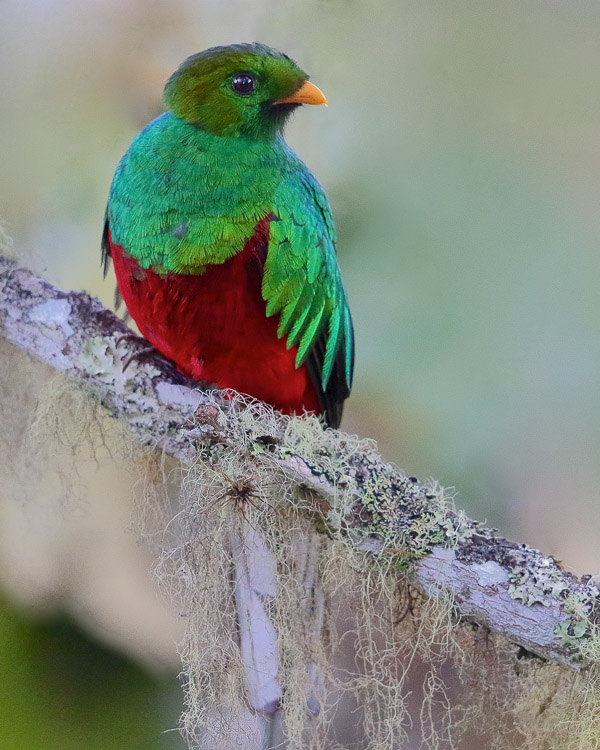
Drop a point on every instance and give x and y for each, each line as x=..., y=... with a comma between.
x=105, y=358
x=53, y=313
x=490, y=573
x=180, y=395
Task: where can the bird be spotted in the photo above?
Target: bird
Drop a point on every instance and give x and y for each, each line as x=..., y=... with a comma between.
x=223, y=242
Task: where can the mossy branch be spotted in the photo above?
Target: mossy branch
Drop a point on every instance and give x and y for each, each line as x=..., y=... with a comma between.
x=498, y=585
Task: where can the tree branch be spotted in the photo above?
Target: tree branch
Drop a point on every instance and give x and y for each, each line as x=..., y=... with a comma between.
x=508, y=588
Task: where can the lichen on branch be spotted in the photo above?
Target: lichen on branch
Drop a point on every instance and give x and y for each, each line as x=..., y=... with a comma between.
x=290, y=477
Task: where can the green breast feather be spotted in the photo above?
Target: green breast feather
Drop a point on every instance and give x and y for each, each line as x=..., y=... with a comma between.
x=182, y=198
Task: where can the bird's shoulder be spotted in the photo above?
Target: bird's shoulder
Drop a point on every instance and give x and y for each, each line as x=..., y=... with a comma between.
x=300, y=190
x=182, y=199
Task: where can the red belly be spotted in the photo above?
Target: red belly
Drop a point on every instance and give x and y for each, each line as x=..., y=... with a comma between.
x=213, y=327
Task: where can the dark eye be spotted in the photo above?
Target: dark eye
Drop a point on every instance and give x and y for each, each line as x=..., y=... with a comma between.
x=243, y=83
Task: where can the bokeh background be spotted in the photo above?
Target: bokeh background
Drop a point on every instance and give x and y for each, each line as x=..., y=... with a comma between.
x=461, y=154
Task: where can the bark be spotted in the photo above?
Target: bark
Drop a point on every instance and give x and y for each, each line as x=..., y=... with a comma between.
x=508, y=588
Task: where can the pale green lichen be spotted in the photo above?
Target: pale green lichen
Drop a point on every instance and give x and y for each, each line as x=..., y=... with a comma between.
x=578, y=630
x=109, y=360
x=526, y=587
x=105, y=357
x=404, y=515
x=542, y=582
x=570, y=631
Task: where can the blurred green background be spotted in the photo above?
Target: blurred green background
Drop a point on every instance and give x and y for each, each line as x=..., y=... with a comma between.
x=461, y=154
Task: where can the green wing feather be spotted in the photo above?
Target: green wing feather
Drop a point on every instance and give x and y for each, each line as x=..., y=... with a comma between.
x=302, y=282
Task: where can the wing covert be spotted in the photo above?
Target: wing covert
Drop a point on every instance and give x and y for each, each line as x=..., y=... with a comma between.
x=302, y=283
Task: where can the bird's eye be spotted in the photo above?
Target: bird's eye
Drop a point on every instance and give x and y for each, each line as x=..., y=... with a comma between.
x=243, y=83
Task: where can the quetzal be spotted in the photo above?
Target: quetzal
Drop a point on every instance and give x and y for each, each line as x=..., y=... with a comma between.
x=223, y=242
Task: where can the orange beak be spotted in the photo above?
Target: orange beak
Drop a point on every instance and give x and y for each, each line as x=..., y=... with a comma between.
x=308, y=93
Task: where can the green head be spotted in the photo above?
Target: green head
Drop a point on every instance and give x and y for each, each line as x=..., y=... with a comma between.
x=240, y=90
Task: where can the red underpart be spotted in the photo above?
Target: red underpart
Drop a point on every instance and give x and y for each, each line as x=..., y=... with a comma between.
x=214, y=328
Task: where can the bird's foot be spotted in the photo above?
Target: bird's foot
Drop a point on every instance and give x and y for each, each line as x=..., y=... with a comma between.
x=146, y=354
x=143, y=351
x=140, y=350
x=130, y=337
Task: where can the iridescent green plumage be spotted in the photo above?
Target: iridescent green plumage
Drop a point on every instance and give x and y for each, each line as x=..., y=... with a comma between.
x=197, y=181
x=302, y=280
